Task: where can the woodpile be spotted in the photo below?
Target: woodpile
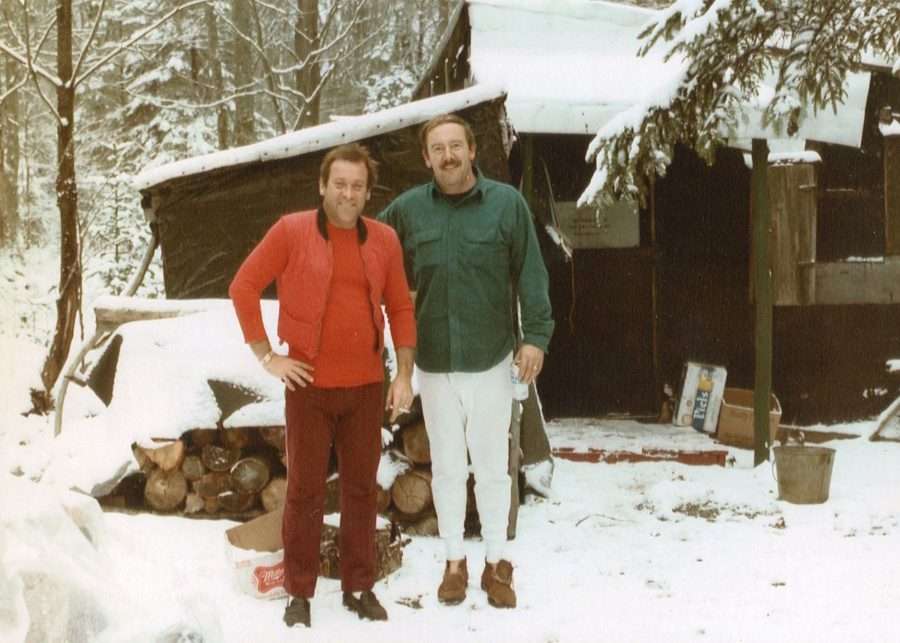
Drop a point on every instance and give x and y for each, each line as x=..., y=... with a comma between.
x=233, y=473
x=409, y=500
x=241, y=473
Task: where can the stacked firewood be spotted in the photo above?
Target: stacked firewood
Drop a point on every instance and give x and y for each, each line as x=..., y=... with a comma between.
x=235, y=472
x=409, y=501
x=240, y=472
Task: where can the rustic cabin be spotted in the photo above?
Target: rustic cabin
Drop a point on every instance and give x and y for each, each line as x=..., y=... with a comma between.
x=636, y=291
x=650, y=288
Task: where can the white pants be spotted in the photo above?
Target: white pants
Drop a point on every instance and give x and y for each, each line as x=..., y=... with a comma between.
x=469, y=413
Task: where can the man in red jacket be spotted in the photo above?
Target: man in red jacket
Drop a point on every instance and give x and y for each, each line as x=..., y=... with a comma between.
x=333, y=269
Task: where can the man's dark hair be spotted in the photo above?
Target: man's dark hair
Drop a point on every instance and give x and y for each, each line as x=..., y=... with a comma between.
x=443, y=119
x=354, y=153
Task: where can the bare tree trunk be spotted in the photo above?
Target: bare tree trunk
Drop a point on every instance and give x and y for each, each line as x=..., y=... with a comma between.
x=68, y=302
x=443, y=16
x=216, y=67
x=270, y=76
x=242, y=62
x=9, y=157
x=308, y=78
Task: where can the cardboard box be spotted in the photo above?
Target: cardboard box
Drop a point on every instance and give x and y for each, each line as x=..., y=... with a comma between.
x=701, y=396
x=736, y=418
x=257, y=555
x=256, y=552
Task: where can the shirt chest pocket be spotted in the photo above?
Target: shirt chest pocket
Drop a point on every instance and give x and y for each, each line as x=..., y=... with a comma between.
x=429, y=248
x=483, y=246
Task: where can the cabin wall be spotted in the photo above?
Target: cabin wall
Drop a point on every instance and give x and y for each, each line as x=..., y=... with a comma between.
x=828, y=361
x=210, y=222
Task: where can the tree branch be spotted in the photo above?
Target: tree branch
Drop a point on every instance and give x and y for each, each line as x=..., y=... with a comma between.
x=90, y=39
x=138, y=36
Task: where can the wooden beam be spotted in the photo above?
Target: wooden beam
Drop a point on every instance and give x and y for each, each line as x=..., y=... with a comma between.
x=892, y=195
x=863, y=282
x=763, y=290
x=111, y=311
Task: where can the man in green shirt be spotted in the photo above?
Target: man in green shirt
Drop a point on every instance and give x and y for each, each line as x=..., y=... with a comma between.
x=471, y=251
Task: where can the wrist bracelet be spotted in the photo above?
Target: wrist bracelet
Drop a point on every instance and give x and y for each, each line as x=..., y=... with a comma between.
x=267, y=358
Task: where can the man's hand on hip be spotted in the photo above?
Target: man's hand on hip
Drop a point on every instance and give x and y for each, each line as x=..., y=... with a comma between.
x=290, y=371
x=530, y=360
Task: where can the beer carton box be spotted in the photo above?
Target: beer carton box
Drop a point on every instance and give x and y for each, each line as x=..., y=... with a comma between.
x=703, y=386
x=257, y=555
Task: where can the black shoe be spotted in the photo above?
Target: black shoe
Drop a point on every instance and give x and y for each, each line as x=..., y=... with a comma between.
x=297, y=612
x=366, y=606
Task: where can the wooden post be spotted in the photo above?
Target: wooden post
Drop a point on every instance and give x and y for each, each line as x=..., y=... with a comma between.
x=891, y=195
x=763, y=299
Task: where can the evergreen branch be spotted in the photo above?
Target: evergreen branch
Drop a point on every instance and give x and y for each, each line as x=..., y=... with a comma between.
x=137, y=37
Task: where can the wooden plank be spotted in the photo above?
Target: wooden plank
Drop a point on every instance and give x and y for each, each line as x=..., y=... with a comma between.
x=111, y=311
x=714, y=457
x=867, y=282
x=792, y=202
x=892, y=195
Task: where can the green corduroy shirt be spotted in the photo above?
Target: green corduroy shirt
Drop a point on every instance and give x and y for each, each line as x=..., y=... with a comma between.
x=464, y=260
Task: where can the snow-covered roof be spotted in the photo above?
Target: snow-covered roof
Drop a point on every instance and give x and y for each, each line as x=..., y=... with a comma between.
x=571, y=67
x=568, y=66
x=344, y=130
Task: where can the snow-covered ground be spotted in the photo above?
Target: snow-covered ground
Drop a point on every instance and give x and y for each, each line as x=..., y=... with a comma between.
x=623, y=552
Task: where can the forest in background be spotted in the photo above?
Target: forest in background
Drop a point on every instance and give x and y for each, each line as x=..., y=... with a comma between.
x=93, y=92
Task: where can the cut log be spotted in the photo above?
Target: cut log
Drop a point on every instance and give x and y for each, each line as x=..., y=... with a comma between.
x=140, y=456
x=199, y=438
x=333, y=494
x=383, y=500
x=165, y=490
x=272, y=497
x=415, y=443
x=425, y=526
x=167, y=457
x=236, y=438
x=237, y=502
x=250, y=475
x=411, y=492
x=193, y=468
x=274, y=436
x=218, y=458
x=388, y=552
x=212, y=484
x=193, y=503
x=211, y=504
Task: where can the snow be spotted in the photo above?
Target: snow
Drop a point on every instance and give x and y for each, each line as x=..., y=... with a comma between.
x=621, y=552
x=783, y=158
x=890, y=129
x=570, y=68
x=624, y=552
x=322, y=136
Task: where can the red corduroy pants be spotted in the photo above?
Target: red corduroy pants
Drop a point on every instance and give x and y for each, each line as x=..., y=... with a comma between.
x=315, y=418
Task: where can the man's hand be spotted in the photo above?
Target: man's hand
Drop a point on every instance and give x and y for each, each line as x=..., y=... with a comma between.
x=290, y=371
x=530, y=360
x=399, y=396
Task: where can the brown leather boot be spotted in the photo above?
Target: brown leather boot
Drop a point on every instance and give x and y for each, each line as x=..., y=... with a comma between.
x=452, y=590
x=497, y=581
